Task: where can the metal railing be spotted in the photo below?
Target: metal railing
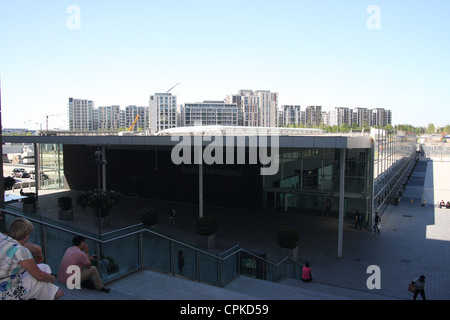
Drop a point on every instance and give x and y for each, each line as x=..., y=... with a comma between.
x=135, y=248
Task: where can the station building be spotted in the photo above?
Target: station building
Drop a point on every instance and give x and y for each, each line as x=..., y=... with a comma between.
x=312, y=172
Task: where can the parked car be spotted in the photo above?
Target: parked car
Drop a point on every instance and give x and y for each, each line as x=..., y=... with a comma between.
x=18, y=172
x=43, y=175
x=25, y=175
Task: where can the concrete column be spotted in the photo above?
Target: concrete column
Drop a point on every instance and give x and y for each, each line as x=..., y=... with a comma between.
x=37, y=167
x=341, y=202
x=200, y=183
x=104, y=167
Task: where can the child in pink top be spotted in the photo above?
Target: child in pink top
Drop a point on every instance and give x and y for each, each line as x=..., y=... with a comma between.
x=306, y=273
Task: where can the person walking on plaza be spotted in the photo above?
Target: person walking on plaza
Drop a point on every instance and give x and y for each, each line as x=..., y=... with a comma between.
x=419, y=285
x=20, y=277
x=358, y=220
x=78, y=255
x=306, y=273
x=172, y=216
x=376, y=220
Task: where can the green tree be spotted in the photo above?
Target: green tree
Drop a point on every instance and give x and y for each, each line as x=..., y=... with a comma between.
x=431, y=128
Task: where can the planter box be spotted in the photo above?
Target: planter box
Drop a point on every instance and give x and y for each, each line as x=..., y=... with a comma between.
x=291, y=253
x=65, y=215
x=207, y=242
x=29, y=207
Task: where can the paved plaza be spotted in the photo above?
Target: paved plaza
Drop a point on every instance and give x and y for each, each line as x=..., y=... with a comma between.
x=414, y=240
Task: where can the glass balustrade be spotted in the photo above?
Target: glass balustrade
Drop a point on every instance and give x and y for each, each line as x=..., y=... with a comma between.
x=127, y=250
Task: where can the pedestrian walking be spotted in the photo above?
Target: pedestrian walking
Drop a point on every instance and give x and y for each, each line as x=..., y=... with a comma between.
x=419, y=286
x=358, y=220
x=172, y=216
x=376, y=220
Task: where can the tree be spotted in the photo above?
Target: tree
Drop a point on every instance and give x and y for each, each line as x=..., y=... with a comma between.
x=100, y=201
x=431, y=128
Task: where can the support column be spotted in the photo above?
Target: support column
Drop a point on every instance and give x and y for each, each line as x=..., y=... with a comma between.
x=104, y=167
x=341, y=202
x=37, y=167
x=200, y=182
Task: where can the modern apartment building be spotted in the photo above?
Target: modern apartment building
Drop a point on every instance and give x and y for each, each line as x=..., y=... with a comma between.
x=80, y=113
x=84, y=117
x=163, y=112
x=381, y=117
x=129, y=116
x=209, y=113
x=109, y=118
x=313, y=115
x=362, y=117
x=340, y=116
x=249, y=108
x=258, y=108
x=290, y=115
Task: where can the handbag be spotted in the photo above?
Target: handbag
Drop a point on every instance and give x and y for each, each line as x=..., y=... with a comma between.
x=412, y=288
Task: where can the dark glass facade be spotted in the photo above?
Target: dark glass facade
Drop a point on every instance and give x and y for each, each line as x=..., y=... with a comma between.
x=308, y=182
x=394, y=155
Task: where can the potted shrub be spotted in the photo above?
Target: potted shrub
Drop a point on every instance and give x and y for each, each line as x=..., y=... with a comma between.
x=206, y=227
x=287, y=238
x=29, y=203
x=149, y=216
x=102, y=202
x=65, y=208
x=8, y=182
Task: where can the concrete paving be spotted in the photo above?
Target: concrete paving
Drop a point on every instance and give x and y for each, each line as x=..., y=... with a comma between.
x=414, y=240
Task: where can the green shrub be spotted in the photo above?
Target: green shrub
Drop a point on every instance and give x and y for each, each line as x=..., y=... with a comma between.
x=148, y=216
x=100, y=201
x=287, y=237
x=206, y=226
x=65, y=203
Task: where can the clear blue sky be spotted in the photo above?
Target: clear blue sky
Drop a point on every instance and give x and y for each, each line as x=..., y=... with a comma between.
x=310, y=52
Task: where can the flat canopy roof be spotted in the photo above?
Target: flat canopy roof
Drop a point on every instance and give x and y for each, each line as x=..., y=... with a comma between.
x=284, y=141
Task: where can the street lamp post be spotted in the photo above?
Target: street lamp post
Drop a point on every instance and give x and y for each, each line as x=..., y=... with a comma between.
x=100, y=163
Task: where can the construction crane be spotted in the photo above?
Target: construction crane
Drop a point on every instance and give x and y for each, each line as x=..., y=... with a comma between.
x=135, y=120
x=172, y=88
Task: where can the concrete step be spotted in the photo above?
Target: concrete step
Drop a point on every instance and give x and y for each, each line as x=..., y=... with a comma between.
x=151, y=285
x=292, y=289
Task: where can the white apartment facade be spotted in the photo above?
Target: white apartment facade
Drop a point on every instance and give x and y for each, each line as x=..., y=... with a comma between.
x=109, y=118
x=290, y=115
x=163, y=112
x=340, y=116
x=381, y=117
x=129, y=116
x=80, y=114
x=362, y=117
x=257, y=108
x=209, y=113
